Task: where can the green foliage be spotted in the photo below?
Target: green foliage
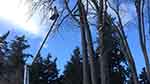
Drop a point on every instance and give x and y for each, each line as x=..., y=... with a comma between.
x=12, y=57
x=73, y=69
x=118, y=66
x=143, y=77
x=44, y=71
x=17, y=55
x=119, y=71
x=112, y=49
x=12, y=60
x=3, y=55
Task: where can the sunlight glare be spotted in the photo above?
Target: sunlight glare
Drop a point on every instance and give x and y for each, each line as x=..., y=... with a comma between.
x=17, y=12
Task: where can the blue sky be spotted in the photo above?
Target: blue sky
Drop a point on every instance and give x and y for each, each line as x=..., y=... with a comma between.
x=62, y=43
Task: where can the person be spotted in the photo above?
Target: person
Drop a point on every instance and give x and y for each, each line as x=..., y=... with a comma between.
x=55, y=15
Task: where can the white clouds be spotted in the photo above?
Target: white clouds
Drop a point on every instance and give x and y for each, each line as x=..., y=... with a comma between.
x=17, y=13
x=127, y=11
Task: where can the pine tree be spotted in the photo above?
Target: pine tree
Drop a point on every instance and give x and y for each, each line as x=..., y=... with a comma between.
x=117, y=66
x=44, y=71
x=3, y=47
x=17, y=57
x=3, y=59
x=143, y=77
x=73, y=69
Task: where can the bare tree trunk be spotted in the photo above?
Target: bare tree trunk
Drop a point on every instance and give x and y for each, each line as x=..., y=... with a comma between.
x=104, y=65
x=124, y=42
x=84, y=51
x=148, y=14
x=101, y=20
x=85, y=57
x=89, y=42
x=102, y=29
x=91, y=55
x=18, y=76
x=128, y=55
x=91, y=51
x=139, y=9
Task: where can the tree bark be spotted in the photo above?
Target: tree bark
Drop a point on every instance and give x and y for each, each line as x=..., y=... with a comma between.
x=139, y=9
x=89, y=42
x=84, y=51
x=102, y=29
x=129, y=56
x=124, y=43
x=18, y=76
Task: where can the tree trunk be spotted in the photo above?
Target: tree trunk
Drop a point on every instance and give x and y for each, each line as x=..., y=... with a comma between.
x=89, y=41
x=104, y=65
x=91, y=51
x=18, y=76
x=127, y=53
x=84, y=52
x=148, y=14
x=102, y=29
x=126, y=49
x=139, y=9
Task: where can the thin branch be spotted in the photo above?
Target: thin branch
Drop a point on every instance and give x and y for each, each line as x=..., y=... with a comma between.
x=142, y=22
x=125, y=43
x=148, y=14
x=95, y=4
x=67, y=7
x=139, y=5
x=63, y=19
x=118, y=15
x=92, y=5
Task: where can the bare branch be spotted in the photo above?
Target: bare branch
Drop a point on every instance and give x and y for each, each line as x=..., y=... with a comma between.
x=95, y=4
x=66, y=16
x=70, y=12
x=148, y=14
x=139, y=4
x=124, y=41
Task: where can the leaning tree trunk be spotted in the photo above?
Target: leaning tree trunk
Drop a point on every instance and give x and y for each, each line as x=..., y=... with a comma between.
x=124, y=43
x=126, y=49
x=84, y=52
x=89, y=42
x=128, y=54
x=139, y=9
x=148, y=14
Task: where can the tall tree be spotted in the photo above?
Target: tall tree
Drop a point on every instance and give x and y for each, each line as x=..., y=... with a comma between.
x=4, y=50
x=44, y=71
x=117, y=64
x=84, y=48
x=17, y=57
x=139, y=4
x=73, y=69
x=148, y=14
x=83, y=19
x=126, y=50
x=143, y=77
